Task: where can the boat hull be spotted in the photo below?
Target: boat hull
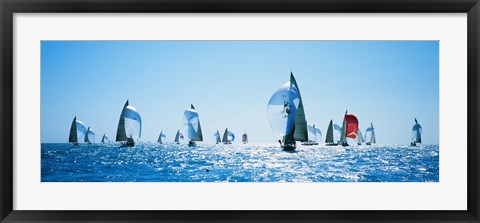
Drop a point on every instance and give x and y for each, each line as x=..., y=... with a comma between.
x=309, y=143
x=331, y=144
x=288, y=148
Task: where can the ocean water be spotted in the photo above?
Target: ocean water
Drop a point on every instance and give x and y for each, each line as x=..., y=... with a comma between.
x=238, y=163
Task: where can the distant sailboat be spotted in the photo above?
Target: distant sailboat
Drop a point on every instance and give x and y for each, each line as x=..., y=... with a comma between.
x=314, y=135
x=217, y=137
x=129, y=126
x=282, y=112
x=370, y=135
x=244, y=138
x=349, y=128
x=360, y=138
x=178, y=136
x=334, y=132
x=77, y=132
x=416, y=134
x=90, y=136
x=192, y=125
x=228, y=137
x=105, y=139
x=161, y=137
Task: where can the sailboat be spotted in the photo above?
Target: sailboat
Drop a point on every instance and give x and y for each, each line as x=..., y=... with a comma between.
x=90, y=136
x=228, y=137
x=129, y=126
x=178, y=136
x=349, y=128
x=77, y=132
x=334, y=132
x=217, y=137
x=161, y=137
x=360, y=138
x=244, y=138
x=105, y=139
x=192, y=125
x=314, y=135
x=370, y=135
x=282, y=112
x=416, y=134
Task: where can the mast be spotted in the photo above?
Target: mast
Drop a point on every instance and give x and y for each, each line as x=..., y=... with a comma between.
x=301, y=130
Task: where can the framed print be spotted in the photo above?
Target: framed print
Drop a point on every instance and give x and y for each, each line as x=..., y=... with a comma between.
x=239, y=111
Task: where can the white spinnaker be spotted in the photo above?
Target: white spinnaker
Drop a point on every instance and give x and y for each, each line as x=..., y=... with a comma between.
x=81, y=130
x=282, y=109
x=133, y=123
x=91, y=135
x=314, y=134
x=190, y=120
x=417, y=133
x=337, y=132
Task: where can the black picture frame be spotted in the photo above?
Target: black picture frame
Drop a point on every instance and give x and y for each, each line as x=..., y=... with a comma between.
x=9, y=7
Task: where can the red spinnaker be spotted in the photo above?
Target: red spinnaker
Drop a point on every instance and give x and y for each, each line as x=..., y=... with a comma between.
x=351, y=125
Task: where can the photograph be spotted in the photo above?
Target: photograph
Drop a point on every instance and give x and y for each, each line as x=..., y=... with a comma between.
x=233, y=111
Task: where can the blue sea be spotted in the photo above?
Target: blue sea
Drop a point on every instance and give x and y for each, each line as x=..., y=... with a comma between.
x=238, y=163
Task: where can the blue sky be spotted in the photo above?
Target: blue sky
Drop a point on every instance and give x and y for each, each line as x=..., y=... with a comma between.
x=230, y=83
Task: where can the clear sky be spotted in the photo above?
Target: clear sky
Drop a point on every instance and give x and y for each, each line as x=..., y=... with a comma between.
x=230, y=83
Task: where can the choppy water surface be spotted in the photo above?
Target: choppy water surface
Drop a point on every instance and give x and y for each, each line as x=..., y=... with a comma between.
x=238, y=163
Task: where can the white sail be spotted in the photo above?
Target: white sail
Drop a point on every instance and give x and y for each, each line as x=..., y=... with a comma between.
x=77, y=131
x=417, y=132
x=129, y=124
x=337, y=133
x=192, y=124
x=90, y=136
x=178, y=136
x=161, y=137
x=217, y=137
x=370, y=134
x=282, y=109
x=105, y=139
x=360, y=138
x=314, y=134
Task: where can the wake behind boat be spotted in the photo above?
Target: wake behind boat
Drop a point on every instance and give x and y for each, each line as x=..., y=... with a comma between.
x=129, y=126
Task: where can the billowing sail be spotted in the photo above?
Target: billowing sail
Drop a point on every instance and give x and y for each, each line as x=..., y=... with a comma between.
x=360, y=137
x=228, y=136
x=105, y=139
x=129, y=124
x=417, y=132
x=301, y=130
x=337, y=133
x=370, y=134
x=178, y=136
x=217, y=137
x=350, y=127
x=77, y=131
x=161, y=137
x=314, y=134
x=90, y=136
x=192, y=124
x=282, y=110
x=245, y=138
